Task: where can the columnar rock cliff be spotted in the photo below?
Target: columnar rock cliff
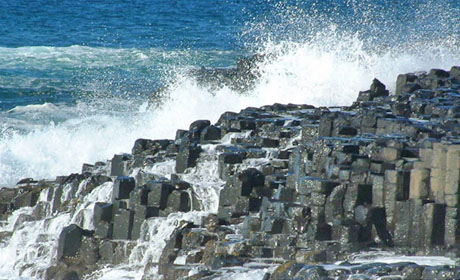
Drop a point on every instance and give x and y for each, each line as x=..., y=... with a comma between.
x=286, y=187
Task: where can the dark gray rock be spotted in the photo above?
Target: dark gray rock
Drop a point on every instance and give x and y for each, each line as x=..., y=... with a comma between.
x=120, y=165
x=107, y=250
x=433, y=224
x=93, y=182
x=187, y=157
x=123, y=224
x=377, y=89
x=122, y=187
x=103, y=230
x=229, y=195
x=328, y=182
x=230, y=158
x=249, y=179
x=211, y=133
x=362, y=214
x=312, y=272
x=287, y=271
x=226, y=162
x=28, y=197
x=334, y=205
x=67, y=275
x=274, y=225
x=378, y=219
x=402, y=224
x=158, y=196
x=141, y=213
x=70, y=241
x=196, y=238
x=102, y=212
x=145, y=147
x=178, y=201
x=139, y=196
x=314, y=184
x=196, y=128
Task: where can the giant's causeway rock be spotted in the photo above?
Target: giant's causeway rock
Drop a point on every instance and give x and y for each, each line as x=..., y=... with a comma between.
x=301, y=186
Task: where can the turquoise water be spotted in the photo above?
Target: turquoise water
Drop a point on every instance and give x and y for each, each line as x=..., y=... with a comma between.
x=63, y=51
x=75, y=75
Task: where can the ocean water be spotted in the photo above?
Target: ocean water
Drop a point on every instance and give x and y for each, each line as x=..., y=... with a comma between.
x=76, y=77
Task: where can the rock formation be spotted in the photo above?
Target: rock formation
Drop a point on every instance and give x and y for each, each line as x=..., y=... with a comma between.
x=297, y=187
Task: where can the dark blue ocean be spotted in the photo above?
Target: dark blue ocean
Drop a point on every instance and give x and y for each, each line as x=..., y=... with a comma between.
x=75, y=76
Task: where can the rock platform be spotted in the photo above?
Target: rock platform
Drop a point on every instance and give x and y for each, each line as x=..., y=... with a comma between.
x=296, y=187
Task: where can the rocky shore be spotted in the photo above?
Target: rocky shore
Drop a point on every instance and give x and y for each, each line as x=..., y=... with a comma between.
x=291, y=190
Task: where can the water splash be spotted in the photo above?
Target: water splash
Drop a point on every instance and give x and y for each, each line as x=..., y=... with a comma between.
x=315, y=54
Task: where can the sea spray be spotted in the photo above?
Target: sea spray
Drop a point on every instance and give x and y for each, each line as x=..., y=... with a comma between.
x=139, y=256
x=32, y=246
x=155, y=232
x=324, y=71
x=82, y=101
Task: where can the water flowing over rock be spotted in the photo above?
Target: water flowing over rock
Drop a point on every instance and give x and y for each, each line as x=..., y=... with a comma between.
x=283, y=190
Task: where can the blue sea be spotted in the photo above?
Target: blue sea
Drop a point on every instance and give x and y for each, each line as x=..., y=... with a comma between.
x=76, y=76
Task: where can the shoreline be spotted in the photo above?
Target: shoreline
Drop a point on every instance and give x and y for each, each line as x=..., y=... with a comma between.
x=292, y=185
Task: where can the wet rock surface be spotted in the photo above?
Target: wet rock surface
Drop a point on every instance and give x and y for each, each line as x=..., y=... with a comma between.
x=299, y=187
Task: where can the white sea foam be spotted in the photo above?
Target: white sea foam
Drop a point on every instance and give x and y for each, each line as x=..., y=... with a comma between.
x=390, y=257
x=55, y=149
x=327, y=70
x=46, y=140
x=156, y=231
x=63, y=58
x=319, y=57
x=252, y=274
x=37, y=107
x=32, y=247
